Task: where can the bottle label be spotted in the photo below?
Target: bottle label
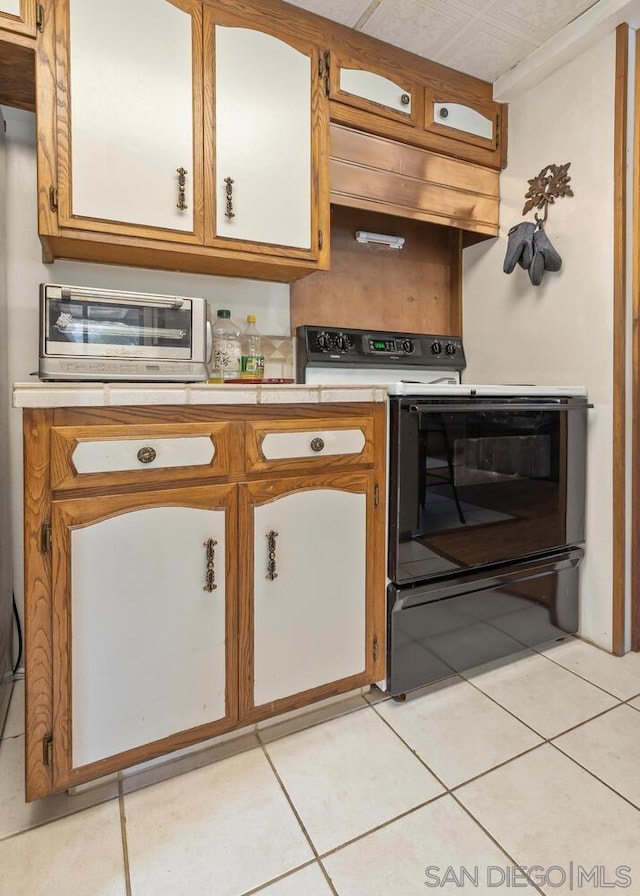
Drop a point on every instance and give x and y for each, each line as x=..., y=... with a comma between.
x=253, y=366
x=226, y=357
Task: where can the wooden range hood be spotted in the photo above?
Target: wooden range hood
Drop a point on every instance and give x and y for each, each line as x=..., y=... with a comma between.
x=381, y=175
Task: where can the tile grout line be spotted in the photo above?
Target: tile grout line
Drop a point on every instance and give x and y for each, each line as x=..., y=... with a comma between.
x=296, y=813
x=581, y=677
x=593, y=775
x=123, y=834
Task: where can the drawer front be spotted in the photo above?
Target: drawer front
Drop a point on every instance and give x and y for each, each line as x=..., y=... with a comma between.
x=294, y=444
x=86, y=456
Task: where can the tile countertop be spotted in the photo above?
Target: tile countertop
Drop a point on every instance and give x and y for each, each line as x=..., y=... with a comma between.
x=65, y=395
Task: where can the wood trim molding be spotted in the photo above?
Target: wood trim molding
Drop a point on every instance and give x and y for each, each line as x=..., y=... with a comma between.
x=619, y=340
x=635, y=348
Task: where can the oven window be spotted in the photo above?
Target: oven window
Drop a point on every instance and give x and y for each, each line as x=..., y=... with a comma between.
x=476, y=487
x=102, y=324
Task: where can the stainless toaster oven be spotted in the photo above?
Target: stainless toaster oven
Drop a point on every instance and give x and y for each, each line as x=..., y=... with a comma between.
x=105, y=334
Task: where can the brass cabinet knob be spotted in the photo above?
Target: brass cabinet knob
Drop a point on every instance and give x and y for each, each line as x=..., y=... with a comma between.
x=405, y=99
x=444, y=112
x=146, y=455
x=317, y=444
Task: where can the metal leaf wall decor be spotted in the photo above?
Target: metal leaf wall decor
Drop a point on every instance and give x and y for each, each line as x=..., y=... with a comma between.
x=552, y=183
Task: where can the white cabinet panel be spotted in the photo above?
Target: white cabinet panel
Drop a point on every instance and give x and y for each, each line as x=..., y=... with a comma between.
x=371, y=86
x=107, y=456
x=263, y=138
x=148, y=655
x=131, y=111
x=315, y=443
x=10, y=7
x=463, y=118
x=309, y=622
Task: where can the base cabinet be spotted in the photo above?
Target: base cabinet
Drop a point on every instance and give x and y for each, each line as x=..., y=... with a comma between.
x=141, y=625
x=167, y=606
x=304, y=623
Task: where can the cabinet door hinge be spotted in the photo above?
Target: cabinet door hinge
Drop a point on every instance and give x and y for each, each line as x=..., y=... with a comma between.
x=47, y=749
x=45, y=537
x=320, y=240
x=39, y=17
x=375, y=647
x=327, y=72
x=376, y=495
x=497, y=130
x=53, y=199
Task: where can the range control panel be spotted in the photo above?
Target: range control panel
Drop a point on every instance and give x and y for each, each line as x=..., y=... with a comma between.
x=327, y=346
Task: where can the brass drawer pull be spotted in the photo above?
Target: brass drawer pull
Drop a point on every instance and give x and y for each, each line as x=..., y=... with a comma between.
x=229, y=214
x=317, y=444
x=271, y=548
x=210, y=574
x=147, y=455
x=182, y=180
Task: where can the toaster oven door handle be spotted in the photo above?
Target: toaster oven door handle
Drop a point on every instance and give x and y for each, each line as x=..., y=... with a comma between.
x=115, y=297
x=482, y=406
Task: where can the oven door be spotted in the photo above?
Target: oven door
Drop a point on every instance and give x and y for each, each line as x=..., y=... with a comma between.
x=477, y=481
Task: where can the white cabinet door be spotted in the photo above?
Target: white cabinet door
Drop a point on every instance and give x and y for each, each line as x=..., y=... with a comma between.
x=131, y=112
x=141, y=595
x=263, y=139
x=309, y=618
x=10, y=7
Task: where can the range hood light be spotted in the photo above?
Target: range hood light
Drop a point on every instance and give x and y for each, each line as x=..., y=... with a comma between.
x=393, y=242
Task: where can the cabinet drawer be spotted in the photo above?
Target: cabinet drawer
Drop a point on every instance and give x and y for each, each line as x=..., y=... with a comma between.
x=83, y=456
x=322, y=443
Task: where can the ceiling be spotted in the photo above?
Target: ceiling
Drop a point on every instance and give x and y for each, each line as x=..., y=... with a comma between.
x=485, y=38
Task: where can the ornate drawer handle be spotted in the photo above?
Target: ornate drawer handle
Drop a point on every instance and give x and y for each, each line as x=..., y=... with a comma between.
x=444, y=112
x=317, y=444
x=229, y=214
x=182, y=180
x=405, y=99
x=210, y=574
x=271, y=548
x=146, y=455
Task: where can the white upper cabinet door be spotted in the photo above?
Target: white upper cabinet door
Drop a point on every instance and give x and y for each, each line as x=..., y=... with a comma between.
x=376, y=89
x=310, y=604
x=148, y=637
x=263, y=139
x=10, y=7
x=131, y=113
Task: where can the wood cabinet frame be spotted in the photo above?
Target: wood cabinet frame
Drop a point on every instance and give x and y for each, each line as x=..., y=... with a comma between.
x=17, y=57
x=52, y=505
x=24, y=24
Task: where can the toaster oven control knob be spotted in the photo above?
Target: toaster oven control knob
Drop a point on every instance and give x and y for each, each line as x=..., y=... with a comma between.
x=450, y=349
x=324, y=341
x=407, y=346
x=344, y=342
x=436, y=348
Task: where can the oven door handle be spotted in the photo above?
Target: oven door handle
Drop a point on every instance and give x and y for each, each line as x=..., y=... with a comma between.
x=480, y=406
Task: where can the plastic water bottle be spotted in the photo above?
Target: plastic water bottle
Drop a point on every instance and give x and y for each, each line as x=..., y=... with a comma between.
x=252, y=363
x=225, y=353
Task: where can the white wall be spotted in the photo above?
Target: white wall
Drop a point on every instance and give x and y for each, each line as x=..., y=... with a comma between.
x=560, y=332
x=25, y=271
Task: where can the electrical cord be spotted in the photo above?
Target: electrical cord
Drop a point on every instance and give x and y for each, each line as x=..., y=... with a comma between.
x=19, y=629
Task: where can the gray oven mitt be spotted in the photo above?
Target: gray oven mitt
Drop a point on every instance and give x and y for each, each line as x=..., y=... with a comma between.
x=519, y=246
x=545, y=257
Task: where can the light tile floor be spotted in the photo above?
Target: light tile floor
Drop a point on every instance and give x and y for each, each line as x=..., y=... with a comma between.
x=531, y=762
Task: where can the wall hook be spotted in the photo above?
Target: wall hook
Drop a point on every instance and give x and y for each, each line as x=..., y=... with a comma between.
x=552, y=183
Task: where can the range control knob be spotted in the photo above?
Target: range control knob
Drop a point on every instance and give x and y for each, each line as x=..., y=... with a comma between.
x=436, y=348
x=324, y=341
x=344, y=342
x=407, y=346
x=450, y=349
